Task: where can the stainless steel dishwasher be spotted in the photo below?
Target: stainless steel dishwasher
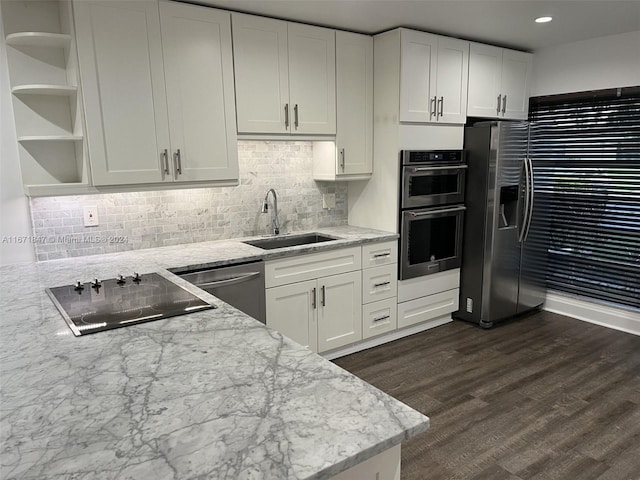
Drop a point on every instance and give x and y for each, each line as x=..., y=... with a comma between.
x=240, y=285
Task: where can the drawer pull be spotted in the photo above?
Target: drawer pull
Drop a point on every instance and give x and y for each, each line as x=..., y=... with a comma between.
x=379, y=319
x=313, y=298
x=381, y=284
x=380, y=255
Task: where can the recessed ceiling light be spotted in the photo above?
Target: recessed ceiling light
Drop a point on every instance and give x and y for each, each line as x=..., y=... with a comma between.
x=543, y=19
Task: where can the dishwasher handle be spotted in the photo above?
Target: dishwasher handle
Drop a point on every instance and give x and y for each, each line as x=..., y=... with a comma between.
x=229, y=281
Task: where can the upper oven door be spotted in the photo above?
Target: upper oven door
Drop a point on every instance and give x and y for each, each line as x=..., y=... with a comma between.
x=432, y=185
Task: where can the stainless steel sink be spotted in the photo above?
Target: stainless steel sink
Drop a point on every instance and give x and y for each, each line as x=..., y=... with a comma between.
x=289, y=241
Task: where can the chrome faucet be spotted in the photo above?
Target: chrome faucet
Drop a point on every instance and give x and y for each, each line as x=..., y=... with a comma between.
x=265, y=209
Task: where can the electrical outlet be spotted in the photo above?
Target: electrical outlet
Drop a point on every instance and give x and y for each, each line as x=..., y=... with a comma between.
x=90, y=216
x=328, y=200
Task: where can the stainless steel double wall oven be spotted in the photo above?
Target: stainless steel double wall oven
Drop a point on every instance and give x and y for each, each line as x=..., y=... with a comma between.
x=432, y=185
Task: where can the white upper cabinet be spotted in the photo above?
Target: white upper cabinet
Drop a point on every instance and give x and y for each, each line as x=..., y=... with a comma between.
x=285, y=76
x=139, y=129
x=122, y=72
x=350, y=157
x=433, y=78
x=498, y=82
x=200, y=93
x=516, y=79
x=261, y=74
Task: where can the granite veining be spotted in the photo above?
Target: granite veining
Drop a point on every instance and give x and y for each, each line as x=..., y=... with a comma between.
x=209, y=395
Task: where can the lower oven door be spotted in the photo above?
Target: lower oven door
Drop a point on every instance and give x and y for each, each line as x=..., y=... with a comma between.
x=430, y=240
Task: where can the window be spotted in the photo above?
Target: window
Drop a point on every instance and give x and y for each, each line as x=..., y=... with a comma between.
x=586, y=153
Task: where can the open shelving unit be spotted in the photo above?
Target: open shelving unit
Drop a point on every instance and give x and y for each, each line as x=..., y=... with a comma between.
x=47, y=100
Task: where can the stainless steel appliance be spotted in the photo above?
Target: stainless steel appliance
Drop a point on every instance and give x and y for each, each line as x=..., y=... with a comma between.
x=240, y=285
x=432, y=178
x=495, y=279
x=431, y=211
x=119, y=302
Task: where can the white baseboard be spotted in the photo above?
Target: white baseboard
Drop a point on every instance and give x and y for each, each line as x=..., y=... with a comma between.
x=386, y=338
x=582, y=309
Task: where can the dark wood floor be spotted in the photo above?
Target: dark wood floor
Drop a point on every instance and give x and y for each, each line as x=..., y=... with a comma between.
x=543, y=397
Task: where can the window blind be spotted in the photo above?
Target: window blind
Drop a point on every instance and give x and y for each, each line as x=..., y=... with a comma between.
x=585, y=149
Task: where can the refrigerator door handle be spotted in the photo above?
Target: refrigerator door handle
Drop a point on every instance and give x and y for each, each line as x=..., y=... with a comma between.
x=531, y=196
x=527, y=198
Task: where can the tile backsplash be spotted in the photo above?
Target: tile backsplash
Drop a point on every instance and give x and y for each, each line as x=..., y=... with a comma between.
x=130, y=221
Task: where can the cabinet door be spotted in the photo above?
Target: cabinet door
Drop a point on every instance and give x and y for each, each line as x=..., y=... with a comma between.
x=312, y=79
x=354, y=81
x=485, y=70
x=291, y=310
x=417, y=76
x=199, y=72
x=339, y=310
x=121, y=66
x=261, y=73
x=516, y=74
x=452, y=77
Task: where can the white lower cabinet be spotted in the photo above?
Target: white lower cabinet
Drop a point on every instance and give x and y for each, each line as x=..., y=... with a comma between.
x=291, y=310
x=379, y=283
x=379, y=317
x=427, y=308
x=384, y=466
x=379, y=288
x=321, y=312
x=339, y=310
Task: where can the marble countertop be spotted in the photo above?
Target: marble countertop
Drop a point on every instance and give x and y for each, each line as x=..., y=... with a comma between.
x=210, y=395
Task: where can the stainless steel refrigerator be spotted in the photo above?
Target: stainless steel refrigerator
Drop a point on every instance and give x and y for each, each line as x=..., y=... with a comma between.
x=498, y=279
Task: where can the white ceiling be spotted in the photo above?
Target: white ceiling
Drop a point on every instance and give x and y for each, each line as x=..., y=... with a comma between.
x=508, y=23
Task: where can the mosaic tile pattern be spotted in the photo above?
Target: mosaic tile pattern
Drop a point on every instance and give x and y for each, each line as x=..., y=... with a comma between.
x=131, y=221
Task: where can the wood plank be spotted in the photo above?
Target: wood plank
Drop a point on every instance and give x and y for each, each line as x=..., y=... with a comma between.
x=544, y=397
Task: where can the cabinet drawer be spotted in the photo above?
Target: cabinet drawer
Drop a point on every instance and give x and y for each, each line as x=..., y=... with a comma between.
x=428, y=285
x=376, y=254
x=307, y=267
x=379, y=317
x=426, y=308
x=379, y=283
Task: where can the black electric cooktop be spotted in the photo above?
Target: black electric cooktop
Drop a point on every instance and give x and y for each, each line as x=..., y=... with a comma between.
x=119, y=302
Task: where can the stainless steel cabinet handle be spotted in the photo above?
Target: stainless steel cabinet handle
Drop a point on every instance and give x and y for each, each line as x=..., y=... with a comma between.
x=165, y=156
x=504, y=104
x=442, y=210
x=295, y=116
x=342, y=159
x=286, y=115
x=382, y=284
x=441, y=104
x=378, y=255
x=432, y=105
x=498, y=109
x=379, y=319
x=177, y=162
x=324, y=296
x=313, y=298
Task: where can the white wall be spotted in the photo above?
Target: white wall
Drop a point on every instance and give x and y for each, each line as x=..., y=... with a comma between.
x=14, y=210
x=598, y=63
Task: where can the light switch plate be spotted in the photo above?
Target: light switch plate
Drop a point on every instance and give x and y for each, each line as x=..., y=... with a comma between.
x=328, y=200
x=90, y=213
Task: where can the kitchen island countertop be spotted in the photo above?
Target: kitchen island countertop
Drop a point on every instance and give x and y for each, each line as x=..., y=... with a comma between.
x=210, y=395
